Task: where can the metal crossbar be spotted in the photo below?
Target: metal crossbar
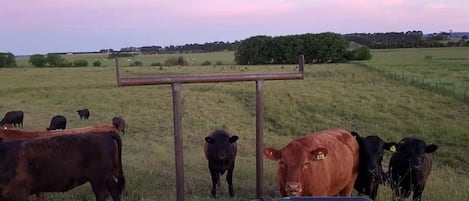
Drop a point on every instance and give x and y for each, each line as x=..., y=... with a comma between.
x=177, y=80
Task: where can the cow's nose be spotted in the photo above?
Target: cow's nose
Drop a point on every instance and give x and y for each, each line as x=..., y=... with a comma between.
x=293, y=186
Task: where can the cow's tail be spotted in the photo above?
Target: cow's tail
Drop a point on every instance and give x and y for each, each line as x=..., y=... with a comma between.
x=120, y=173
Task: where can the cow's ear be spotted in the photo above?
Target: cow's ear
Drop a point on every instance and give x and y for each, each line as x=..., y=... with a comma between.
x=233, y=139
x=319, y=154
x=272, y=153
x=431, y=148
x=209, y=140
x=390, y=146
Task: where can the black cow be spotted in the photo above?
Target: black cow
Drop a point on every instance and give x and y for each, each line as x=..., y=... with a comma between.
x=410, y=167
x=14, y=118
x=119, y=123
x=84, y=113
x=61, y=163
x=57, y=122
x=370, y=170
x=220, y=150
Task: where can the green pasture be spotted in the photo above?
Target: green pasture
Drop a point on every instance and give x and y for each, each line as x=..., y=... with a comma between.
x=445, y=70
x=332, y=95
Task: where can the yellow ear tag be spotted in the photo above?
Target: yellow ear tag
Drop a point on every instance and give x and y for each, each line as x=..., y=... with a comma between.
x=393, y=149
x=320, y=156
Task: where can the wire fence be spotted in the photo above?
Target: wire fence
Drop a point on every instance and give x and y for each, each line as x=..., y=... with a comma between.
x=421, y=82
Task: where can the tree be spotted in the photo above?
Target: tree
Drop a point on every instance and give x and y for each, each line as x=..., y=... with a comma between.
x=38, y=60
x=97, y=63
x=362, y=53
x=55, y=60
x=254, y=50
x=80, y=63
x=464, y=37
x=7, y=59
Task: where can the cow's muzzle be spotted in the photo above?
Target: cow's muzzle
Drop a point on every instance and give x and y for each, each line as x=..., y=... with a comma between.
x=293, y=189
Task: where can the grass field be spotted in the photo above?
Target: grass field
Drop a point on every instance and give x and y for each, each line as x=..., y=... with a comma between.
x=442, y=69
x=331, y=95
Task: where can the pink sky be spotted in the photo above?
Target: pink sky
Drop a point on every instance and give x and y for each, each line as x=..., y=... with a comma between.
x=42, y=26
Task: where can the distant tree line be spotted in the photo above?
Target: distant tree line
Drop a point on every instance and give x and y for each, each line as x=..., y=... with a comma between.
x=55, y=60
x=7, y=59
x=409, y=39
x=316, y=48
x=187, y=48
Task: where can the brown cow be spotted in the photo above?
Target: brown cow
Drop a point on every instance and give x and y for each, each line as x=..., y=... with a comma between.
x=320, y=164
x=32, y=166
x=10, y=135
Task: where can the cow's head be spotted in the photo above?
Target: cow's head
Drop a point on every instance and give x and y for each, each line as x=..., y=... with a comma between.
x=220, y=145
x=294, y=166
x=414, y=150
x=371, y=154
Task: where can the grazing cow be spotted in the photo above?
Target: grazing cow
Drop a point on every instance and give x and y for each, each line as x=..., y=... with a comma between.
x=119, y=123
x=370, y=170
x=84, y=113
x=14, y=118
x=410, y=167
x=57, y=122
x=320, y=164
x=31, y=166
x=220, y=150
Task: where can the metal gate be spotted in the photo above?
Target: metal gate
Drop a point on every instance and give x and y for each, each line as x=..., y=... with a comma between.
x=177, y=80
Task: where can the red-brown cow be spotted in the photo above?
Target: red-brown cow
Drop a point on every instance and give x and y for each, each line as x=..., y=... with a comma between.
x=320, y=164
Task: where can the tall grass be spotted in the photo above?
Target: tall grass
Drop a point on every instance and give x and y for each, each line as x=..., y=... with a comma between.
x=330, y=96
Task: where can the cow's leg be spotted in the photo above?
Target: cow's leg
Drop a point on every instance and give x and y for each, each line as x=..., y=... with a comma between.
x=40, y=197
x=374, y=191
x=99, y=189
x=417, y=194
x=215, y=177
x=113, y=189
x=229, y=180
x=20, y=194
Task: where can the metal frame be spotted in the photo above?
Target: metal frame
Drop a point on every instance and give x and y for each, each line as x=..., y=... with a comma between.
x=176, y=82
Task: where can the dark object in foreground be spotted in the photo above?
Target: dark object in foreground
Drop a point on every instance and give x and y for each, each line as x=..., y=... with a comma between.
x=220, y=150
x=32, y=166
